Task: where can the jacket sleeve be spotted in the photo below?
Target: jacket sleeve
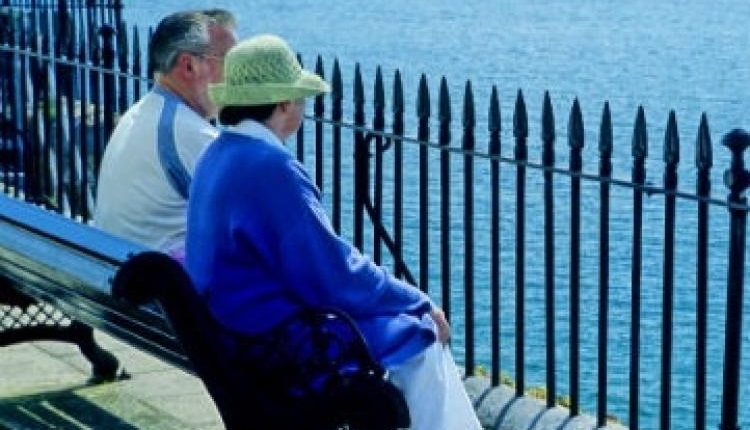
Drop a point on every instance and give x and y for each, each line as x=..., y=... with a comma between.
x=317, y=266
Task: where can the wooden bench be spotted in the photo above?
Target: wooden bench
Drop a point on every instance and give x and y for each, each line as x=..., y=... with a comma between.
x=79, y=278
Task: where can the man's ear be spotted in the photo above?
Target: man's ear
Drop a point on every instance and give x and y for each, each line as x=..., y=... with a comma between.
x=185, y=64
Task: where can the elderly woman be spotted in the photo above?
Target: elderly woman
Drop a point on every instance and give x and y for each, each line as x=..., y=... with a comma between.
x=260, y=247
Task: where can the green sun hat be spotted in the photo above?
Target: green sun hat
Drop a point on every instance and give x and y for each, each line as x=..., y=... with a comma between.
x=264, y=70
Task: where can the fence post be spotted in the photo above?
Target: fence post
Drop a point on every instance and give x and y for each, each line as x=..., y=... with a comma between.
x=605, y=172
x=548, y=161
x=336, y=115
x=468, y=145
x=319, y=111
x=378, y=126
x=575, y=143
x=703, y=164
x=398, y=174
x=444, y=140
x=107, y=33
x=301, y=129
x=671, y=160
x=521, y=156
x=494, y=126
x=423, y=135
x=639, y=151
x=361, y=160
x=737, y=179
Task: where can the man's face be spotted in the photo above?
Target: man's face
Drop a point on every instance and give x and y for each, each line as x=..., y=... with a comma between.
x=222, y=40
x=212, y=63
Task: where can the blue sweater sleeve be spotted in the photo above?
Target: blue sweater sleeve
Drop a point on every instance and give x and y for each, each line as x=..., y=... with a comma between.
x=316, y=265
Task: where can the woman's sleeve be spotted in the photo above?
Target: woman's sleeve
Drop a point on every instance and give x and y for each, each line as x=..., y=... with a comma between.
x=319, y=267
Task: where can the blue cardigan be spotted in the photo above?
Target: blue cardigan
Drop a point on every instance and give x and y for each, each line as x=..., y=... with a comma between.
x=260, y=247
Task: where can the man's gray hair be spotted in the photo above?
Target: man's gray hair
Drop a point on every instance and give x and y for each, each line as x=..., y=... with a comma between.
x=177, y=33
x=222, y=17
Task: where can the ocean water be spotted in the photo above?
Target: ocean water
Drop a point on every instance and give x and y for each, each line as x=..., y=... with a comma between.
x=689, y=56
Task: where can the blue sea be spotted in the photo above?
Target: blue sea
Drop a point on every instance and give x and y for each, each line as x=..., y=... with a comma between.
x=690, y=56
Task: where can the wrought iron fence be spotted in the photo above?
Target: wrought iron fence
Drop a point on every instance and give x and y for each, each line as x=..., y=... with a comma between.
x=475, y=227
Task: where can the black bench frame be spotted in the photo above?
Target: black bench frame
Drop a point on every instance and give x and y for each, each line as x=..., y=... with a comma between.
x=47, y=260
x=100, y=281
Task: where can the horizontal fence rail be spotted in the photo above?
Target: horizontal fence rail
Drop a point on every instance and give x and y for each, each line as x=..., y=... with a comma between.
x=595, y=287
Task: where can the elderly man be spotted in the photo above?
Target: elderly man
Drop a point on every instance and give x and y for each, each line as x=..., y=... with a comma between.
x=260, y=248
x=146, y=168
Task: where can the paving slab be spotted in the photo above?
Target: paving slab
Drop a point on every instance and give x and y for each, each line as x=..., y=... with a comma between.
x=44, y=385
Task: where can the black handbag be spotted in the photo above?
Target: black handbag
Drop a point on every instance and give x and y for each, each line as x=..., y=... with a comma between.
x=318, y=364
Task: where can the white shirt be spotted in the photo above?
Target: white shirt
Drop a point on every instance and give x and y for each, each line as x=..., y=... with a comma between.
x=134, y=198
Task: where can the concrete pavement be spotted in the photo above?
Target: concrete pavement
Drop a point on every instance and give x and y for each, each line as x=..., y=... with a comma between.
x=44, y=385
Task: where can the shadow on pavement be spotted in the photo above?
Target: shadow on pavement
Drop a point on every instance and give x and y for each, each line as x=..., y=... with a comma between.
x=64, y=410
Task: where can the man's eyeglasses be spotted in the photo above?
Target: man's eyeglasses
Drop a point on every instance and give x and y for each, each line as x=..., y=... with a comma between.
x=219, y=58
x=208, y=55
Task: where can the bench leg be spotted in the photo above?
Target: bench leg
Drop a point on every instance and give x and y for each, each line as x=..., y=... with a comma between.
x=24, y=324
x=104, y=365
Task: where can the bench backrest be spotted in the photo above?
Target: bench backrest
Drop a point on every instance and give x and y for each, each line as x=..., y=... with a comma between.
x=71, y=266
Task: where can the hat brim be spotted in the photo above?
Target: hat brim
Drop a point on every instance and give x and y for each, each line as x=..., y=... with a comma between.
x=308, y=85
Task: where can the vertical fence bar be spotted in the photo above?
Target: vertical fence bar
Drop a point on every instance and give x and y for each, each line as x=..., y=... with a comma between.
x=35, y=172
x=46, y=79
x=109, y=99
x=318, y=111
x=44, y=105
x=91, y=21
x=494, y=128
x=361, y=162
x=25, y=104
x=95, y=56
x=703, y=164
x=423, y=136
x=75, y=194
x=61, y=93
x=548, y=162
x=737, y=179
x=378, y=125
x=521, y=134
x=639, y=151
x=150, y=81
x=8, y=127
x=84, y=141
x=671, y=158
x=123, y=54
x=300, y=135
x=468, y=145
x=116, y=8
x=6, y=130
x=398, y=173
x=337, y=94
x=605, y=172
x=575, y=143
x=18, y=107
x=137, y=64
x=444, y=140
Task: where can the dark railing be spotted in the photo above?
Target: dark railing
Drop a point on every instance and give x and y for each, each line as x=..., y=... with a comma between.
x=482, y=237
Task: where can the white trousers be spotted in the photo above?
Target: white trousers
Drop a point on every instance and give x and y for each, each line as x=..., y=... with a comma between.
x=434, y=391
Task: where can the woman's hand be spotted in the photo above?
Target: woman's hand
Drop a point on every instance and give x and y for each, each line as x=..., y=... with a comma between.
x=443, y=328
